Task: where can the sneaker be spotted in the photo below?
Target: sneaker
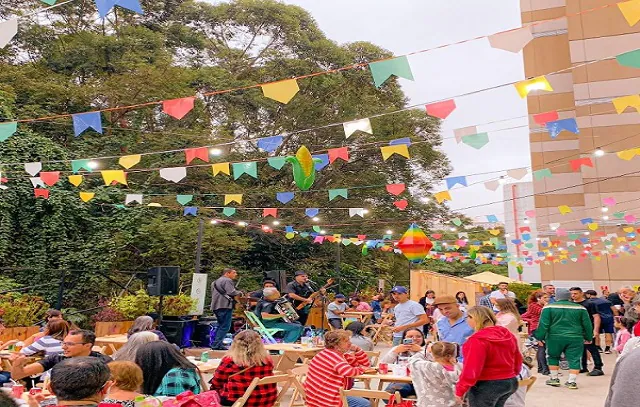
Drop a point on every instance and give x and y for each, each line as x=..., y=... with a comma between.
x=596, y=372
x=607, y=350
x=553, y=382
x=584, y=371
x=571, y=385
x=600, y=349
x=545, y=373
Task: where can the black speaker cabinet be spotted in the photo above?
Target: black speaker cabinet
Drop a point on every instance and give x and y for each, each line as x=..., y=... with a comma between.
x=163, y=280
x=178, y=332
x=279, y=276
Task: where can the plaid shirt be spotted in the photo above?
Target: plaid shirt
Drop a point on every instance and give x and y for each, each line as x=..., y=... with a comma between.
x=485, y=302
x=231, y=381
x=178, y=380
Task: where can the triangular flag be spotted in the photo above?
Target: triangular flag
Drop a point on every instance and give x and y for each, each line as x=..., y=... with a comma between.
x=284, y=197
x=228, y=198
x=395, y=189
x=333, y=193
x=537, y=83
x=492, y=185
x=76, y=180
x=593, y=226
x=513, y=40
x=630, y=59
x=282, y=91
x=77, y=165
x=229, y=212
x=109, y=176
x=517, y=173
x=543, y=173
x=184, y=199
x=49, y=2
x=442, y=196
x=530, y=213
x=453, y=181
x=221, y=168
x=546, y=117
x=335, y=153
x=270, y=212
x=104, y=6
x=133, y=198
x=628, y=154
x=249, y=168
x=36, y=182
x=7, y=129
x=623, y=102
x=441, y=110
x=270, y=144
x=399, y=141
x=129, y=161
x=41, y=193
x=190, y=210
x=200, y=152
x=402, y=204
x=311, y=212
x=175, y=174
x=353, y=126
x=382, y=70
x=33, y=168
x=456, y=221
x=476, y=141
x=178, y=108
x=8, y=30
x=277, y=162
x=557, y=126
x=631, y=11
x=564, y=209
x=492, y=218
x=609, y=201
x=400, y=149
x=85, y=121
x=87, y=196
x=464, y=131
x=356, y=212
x=324, y=161
x=578, y=163
x=50, y=178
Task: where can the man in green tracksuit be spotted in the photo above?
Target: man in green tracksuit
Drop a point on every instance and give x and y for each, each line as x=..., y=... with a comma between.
x=565, y=327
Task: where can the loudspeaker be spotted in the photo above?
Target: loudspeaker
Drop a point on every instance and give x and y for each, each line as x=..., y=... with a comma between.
x=163, y=280
x=279, y=276
x=205, y=332
x=178, y=332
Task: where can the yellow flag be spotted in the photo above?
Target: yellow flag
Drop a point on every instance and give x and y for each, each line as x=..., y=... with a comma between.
x=593, y=226
x=400, y=149
x=631, y=11
x=628, y=229
x=494, y=232
x=75, y=180
x=487, y=243
x=627, y=154
x=282, y=91
x=564, y=209
x=87, y=196
x=442, y=196
x=232, y=198
x=621, y=239
x=129, y=161
x=623, y=102
x=221, y=168
x=114, y=175
x=290, y=235
x=155, y=205
x=537, y=83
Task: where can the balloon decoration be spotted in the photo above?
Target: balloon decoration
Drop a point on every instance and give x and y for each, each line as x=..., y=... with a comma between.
x=304, y=168
x=414, y=244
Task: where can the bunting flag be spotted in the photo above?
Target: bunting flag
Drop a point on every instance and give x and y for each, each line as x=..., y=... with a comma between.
x=546, y=117
x=456, y=221
x=441, y=110
x=383, y=70
x=537, y=83
x=281, y=91
x=395, y=189
x=110, y=176
x=284, y=197
x=564, y=209
x=228, y=198
x=400, y=149
x=87, y=196
x=610, y=201
x=556, y=127
x=324, y=161
x=476, y=141
x=77, y=165
x=363, y=125
x=33, y=168
x=512, y=41
x=270, y=144
x=8, y=30
x=543, y=173
x=277, y=162
x=221, y=168
x=228, y=212
x=578, y=163
x=464, y=131
x=36, y=182
x=49, y=2
x=623, y=102
x=401, y=204
x=628, y=154
x=311, y=212
x=184, y=199
x=399, y=141
x=190, y=210
x=517, y=173
x=105, y=6
x=130, y=198
x=631, y=11
x=85, y=121
x=335, y=153
x=249, y=168
x=333, y=193
x=76, y=180
x=273, y=212
x=630, y=59
x=175, y=174
x=178, y=108
x=492, y=218
x=492, y=185
x=7, y=129
x=356, y=212
x=442, y=196
x=41, y=193
x=129, y=161
x=453, y=181
x=50, y=178
x=200, y=152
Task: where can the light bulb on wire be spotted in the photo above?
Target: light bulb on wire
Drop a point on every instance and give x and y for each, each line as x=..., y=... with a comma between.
x=598, y=153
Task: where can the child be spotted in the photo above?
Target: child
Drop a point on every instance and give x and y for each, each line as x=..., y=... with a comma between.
x=435, y=375
x=623, y=325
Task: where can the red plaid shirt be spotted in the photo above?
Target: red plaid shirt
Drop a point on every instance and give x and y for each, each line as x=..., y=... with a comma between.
x=231, y=388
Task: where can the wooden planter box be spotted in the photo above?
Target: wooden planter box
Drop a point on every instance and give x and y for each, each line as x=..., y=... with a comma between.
x=112, y=328
x=20, y=333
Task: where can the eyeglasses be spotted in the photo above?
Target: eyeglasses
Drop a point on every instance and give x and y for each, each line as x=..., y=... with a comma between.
x=73, y=343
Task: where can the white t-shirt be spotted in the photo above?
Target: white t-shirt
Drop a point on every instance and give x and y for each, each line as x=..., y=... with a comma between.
x=498, y=295
x=407, y=313
x=335, y=307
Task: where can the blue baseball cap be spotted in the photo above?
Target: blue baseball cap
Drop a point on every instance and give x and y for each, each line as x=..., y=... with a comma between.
x=400, y=290
x=340, y=296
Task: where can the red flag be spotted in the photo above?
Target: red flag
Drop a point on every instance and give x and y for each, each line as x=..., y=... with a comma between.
x=41, y=193
x=178, y=108
x=201, y=153
x=50, y=178
x=525, y=229
x=395, y=189
x=362, y=237
x=441, y=109
x=575, y=164
x=402, y=205
x=270, y=212
x=335, y=153
x=544, y=118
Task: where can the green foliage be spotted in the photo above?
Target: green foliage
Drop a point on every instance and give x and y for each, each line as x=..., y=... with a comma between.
x=522, y=291
x=22, y=309
x=178, y=305
x=132, y=306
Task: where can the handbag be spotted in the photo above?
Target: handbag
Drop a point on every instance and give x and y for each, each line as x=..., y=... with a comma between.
x=188, y=399
x=402, y=403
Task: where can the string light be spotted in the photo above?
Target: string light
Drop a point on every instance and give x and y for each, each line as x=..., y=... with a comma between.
x=526, y=221
x=389, y=232
x=215, y=152
x=604, y=209
x=452, y=229
x=213, y=221
x=315, y=219
x=587, y=233
x=242, y=224
x=323, y=232
x=266, y=228
x=365, y=211
x=276, y=223
x=605, y=217
x=92, y=164
x=424, y=199
x=599, y=152
x=502, y=181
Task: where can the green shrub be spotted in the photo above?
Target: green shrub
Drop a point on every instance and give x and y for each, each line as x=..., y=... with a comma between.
x=522, y=291
x=22, y=309
x=132, y=306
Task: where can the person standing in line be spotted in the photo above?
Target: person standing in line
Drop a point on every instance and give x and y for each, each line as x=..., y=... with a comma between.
x=485, y=300
x=537, y=301
x=223, y=291
x=408, y=313
x=606, y=311
x=550, y=290
x=577, y=296
x=429, y=308
x=501, y=292
x=454, y=326
x=564, y=328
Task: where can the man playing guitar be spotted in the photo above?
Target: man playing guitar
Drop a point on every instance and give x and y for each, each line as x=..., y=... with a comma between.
x=302, y=295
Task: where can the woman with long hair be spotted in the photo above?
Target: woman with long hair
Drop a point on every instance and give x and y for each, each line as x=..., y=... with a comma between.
x=51, y=342
x=126, y=378
x=246, y=359
x=128, y=351
x=429, y=308
x=415, y=343
x=357, y=338
x=508, y=315
x=492, y=361
x=166, y=372
x=462, y=300
x=537, y=300
x=145, y=323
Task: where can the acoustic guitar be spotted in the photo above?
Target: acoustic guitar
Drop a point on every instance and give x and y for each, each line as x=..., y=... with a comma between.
x=306, y=306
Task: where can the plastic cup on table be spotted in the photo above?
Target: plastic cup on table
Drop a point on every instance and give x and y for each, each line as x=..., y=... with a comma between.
x=383, y=368
x=17, y=390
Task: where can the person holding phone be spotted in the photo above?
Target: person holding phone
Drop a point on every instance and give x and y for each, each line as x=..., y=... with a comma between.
x=413, y=342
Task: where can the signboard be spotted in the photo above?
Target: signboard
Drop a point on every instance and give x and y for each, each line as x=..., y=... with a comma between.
x=198, y=292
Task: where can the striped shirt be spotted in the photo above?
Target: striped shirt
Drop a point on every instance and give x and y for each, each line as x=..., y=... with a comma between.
x=46, y=344
x=328, y=372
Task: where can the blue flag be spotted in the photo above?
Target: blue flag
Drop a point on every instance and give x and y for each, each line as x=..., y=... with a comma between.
x=311, y=212
x=557, y=126
x=270, y=144
x=84, y=121
x=324, y=161
x=190, y=210
x=284, y=197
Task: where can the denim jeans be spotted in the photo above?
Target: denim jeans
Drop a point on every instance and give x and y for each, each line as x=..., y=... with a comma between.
x=541, y=357
x=397, y=340
x=224, y=316
x=405, y=389
x=5, y=377
x=358, y=402
x=292, y=331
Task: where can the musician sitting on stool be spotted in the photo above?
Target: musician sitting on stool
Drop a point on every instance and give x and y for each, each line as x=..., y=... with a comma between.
x=256, y=296
x=266, y=311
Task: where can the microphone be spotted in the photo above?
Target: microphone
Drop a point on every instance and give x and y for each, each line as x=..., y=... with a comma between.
x=309, y=287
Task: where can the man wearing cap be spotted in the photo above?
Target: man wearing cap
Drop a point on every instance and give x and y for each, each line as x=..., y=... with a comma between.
x=335, y=310
x=408, y=313
x=564, y=327
x=298, y=292
x=453, y=327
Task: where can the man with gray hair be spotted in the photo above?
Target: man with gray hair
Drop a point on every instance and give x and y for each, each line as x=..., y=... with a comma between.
x=271, y=318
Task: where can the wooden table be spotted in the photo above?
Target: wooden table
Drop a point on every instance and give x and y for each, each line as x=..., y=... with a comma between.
x=291, y=352
x=208, y=367
x=383, y=378
x=112, y=340
x=362, y=316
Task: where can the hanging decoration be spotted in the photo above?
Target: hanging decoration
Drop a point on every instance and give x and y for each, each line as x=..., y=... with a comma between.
x=414, y=244
x=304, y=170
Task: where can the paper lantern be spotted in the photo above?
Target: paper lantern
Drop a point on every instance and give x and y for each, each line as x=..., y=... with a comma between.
x=415, y=245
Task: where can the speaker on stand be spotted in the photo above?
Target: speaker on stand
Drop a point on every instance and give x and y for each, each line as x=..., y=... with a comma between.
x=279, y=276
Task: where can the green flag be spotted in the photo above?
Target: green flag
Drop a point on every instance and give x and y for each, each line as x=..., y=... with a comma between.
x=382, y=70
x=276, y=162
x=184, y=199
x=543, y=173
x=476, y=141
x=7, y=130
x=229, y=211
x=77, y=165
x=631, y=59
x=333, y=193
x=250, y=168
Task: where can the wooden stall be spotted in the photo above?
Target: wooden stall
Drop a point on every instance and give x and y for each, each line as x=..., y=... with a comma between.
x=19, y=333
x=423, y=280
